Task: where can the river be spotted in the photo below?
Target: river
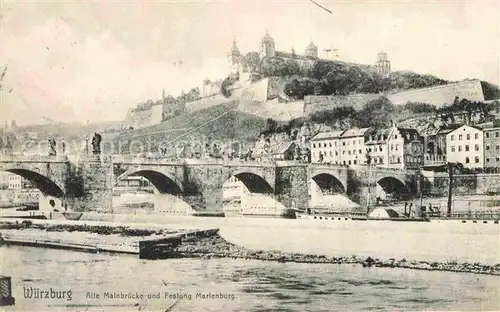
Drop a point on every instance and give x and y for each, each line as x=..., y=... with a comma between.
x=242, y=285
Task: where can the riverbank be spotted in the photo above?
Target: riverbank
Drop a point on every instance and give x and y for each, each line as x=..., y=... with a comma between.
x=215, y=246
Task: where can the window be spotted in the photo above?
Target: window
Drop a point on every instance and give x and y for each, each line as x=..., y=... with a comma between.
x=459, y=137
x=349, y=152
x=487, y=159
x=343, y=143
x=497, y=147
x=336, y=153
x=487, y=135
x=331, y=154
x=314, y=145
x=392, y=147
x=476, y=159
x=453, y=138
x=467, y=160
x=487, y=147
x=349, y=162
x=354, y=142
x=396, y=147
x=497, y=134
x=460, y=148
x=399, y=160
x=330, y=144
x=468, y=136
x=355, y=162
x=324, y=144
x=476, y=136
x=476, y=147
x=396, y=136
x=380, y=149
x=466, y=148
x=498, y=158
x=360, y=151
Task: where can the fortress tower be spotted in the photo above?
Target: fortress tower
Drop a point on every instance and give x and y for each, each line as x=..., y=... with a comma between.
x=383, y=65
x=267, y=48
x=311, y=50
x=234, y=57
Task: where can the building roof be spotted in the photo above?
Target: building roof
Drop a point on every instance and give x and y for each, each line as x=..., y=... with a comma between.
x=447, y=129
x=408, y=133
x=355, y=132
x=474, y=127
x=281, y=147
x=490, y=125
x=327, y=135
x=294, y=56
x=376, y=136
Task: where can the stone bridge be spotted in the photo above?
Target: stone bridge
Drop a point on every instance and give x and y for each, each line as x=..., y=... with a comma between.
x=87, y=183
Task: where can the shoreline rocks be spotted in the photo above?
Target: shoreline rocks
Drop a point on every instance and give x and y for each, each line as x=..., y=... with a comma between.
x=217, y=247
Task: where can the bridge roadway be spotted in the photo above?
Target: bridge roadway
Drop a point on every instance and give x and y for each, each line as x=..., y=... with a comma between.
x=86, y=183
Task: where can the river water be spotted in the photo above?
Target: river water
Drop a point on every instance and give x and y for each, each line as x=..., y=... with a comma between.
x=238, y=285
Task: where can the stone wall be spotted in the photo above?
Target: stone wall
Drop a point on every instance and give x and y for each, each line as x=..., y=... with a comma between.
x=316, y=103
x=292, y=186
x=207, y=102
x=466, y=184
x=90, y=186
x=275, y=109
x=440, y=95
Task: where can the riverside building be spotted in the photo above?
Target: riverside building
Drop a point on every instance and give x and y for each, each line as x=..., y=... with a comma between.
x=465, y=145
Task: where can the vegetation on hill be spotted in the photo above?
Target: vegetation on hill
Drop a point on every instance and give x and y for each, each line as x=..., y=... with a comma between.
x=490, y=91
x=222, y=122
x=330, y=77
x=380, y=113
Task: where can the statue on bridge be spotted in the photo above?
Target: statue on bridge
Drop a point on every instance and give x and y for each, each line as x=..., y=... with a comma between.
x=52, y=147
x=96, y=144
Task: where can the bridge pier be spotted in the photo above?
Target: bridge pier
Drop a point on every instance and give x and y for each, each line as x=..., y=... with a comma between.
x=292, y=186
x=90, y=186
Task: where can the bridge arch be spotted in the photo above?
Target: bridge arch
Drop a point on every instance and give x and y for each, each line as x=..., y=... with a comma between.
x=164, y=182
x=394, y=185
x=46, y=186
x=254, y=182
x=329, y=184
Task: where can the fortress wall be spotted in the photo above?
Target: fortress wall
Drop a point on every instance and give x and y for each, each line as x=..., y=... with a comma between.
x=441, y=95
x=206, y=102
x=255, y=92
x=315, y=103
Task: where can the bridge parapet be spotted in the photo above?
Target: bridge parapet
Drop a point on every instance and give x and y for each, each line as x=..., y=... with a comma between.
x=33, y=158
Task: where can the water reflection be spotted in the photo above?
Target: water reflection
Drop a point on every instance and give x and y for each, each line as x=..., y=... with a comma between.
x=256, y=285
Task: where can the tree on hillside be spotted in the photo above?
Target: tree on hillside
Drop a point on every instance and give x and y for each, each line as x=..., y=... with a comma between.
x=250, y=62
x=490, y=91
x=376, y=113
x=297, y=88
x=292, y=68
x=273, y=66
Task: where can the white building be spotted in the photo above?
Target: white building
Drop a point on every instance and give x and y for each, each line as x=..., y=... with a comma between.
x=465, y=146
x=10, y=181
x=352, y=147
x=325, y=147
x=395, y=147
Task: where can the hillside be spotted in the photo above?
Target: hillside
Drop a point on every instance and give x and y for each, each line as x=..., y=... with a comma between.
x=220, y=122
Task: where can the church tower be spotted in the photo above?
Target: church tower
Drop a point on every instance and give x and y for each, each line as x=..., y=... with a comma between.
x=267, y=46
x=383, y=65
x=234, y=57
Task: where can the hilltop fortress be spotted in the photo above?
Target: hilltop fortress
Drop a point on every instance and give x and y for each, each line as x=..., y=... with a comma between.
x=264, y=97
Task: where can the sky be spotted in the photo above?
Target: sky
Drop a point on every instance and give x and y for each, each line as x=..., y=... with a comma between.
x=81, y=60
